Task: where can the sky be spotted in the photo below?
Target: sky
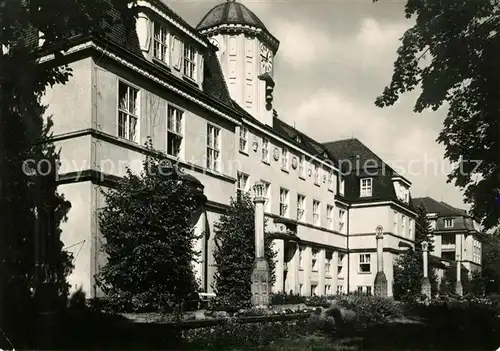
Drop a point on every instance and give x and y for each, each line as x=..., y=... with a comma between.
x=335, y=58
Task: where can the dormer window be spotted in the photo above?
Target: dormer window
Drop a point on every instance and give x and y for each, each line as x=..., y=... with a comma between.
x=298, y=139
x=161, y=43
x=189, y=61
x=342, y=187
x=366, y=187
x=448, y=223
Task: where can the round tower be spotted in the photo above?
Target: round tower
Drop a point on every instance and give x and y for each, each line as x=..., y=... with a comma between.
x=246, y=52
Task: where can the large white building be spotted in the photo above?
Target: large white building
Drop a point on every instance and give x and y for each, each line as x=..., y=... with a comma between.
x=204, y=96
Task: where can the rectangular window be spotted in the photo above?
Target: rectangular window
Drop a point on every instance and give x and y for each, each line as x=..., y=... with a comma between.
x=284, y=202
x=340, y=289
x=329, y=216
x=242, y=186
x=366, y=187
x=175, y=137
x=284, y=159
x=128, y=112
x=301, y=257
x=161, y=43
x=316, y=212
x=360, y=289
x=328, y=263
x=341, y=219
x=328, y=290
x=448, y=223
x=330, y=180
x=316, y=175
x=365, y=263
x=314, y=289
x=213, y=147
x=410, y=229
x=314, y=260
x=267, y=195
x=301, y=289
x=301, y=208
x=395, y=222
x=342, y=187
x=265, y=150
x=189, y=61
x=244, y=139
x=368, y=290
x=403, y=225
x=302, y=167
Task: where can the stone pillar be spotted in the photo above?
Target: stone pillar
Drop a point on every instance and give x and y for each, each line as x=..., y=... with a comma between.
x=380, y=282
x=459, y=290
x=260, y=272
x=334, y=271
x=279, y=246
x=306, y=265
x=321, y=272
x=426, y=284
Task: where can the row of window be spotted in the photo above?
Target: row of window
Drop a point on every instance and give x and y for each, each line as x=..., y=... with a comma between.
x=314, y=291
x=171, y=51
x=327, y=176
x=328, y=261
x=476, y=251
x=403, y=225
x=128, y=127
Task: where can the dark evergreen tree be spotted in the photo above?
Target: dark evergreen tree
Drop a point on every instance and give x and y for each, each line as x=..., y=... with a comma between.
x=148, y=231
x=234, y=252
x=451, y=54
x=491, y=262
x=408, y=269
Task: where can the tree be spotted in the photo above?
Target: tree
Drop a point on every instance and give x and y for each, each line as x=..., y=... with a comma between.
x=491, y=262
x=451, y=53
x=408, y=269
x=148, y=233
x=234, y=252
x=22, y=83
x=449, y=280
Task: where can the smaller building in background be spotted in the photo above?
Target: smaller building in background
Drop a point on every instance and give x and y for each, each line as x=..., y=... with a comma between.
x=457, y=236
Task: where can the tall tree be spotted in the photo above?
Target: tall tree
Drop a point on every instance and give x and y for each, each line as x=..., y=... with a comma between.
x=408, y=269
x=491, y=262
x=148, y=233
x=22, y=83
x=451, y=53
x=234, y=252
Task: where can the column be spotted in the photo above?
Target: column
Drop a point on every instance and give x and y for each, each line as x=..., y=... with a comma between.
x=199, y=245
x=426, y=284
x=306, y=282
x=260, y=272
x=335, y=271
x=321, y=272
x=459, y=290
x=380, y=283
x=279, y=246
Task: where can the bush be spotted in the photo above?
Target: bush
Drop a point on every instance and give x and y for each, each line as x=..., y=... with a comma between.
x=234, y=334
x=370, y=310
x=318, y=301
x=283, y=298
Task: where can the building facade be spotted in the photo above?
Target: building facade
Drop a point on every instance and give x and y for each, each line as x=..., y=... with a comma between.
x=204, y=96
x=457, y=236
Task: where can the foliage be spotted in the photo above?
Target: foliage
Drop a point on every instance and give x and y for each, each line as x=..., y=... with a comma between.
x=234, y=252
x=491, y=262
x=370, y=310
x=449, y=279
x=283, y=298
x=233, y=334
x=451, y=54
x=409, y=266
x=147, y=225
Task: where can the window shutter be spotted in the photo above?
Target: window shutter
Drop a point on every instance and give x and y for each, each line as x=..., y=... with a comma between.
x=177, y=53
x=201, y=61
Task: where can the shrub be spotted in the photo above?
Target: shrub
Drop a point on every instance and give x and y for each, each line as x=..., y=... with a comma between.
x=370, y=310
x=318, y=301
x=283, y=298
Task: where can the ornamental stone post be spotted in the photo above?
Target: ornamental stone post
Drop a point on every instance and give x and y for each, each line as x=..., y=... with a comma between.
x=426, y=284
x=380, y=279
x=260, y=272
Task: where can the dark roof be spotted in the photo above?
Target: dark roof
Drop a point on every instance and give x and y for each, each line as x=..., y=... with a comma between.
x=293, y=136
x=358, y=153
x=124, y=35
x=230, y=12
x=439, y=207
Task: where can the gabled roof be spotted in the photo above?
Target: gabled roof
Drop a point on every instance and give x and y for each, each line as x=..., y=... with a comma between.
x=439, y=207
x=357, y=153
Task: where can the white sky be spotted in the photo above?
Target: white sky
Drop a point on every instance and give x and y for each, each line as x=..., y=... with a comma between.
x=334, y=59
